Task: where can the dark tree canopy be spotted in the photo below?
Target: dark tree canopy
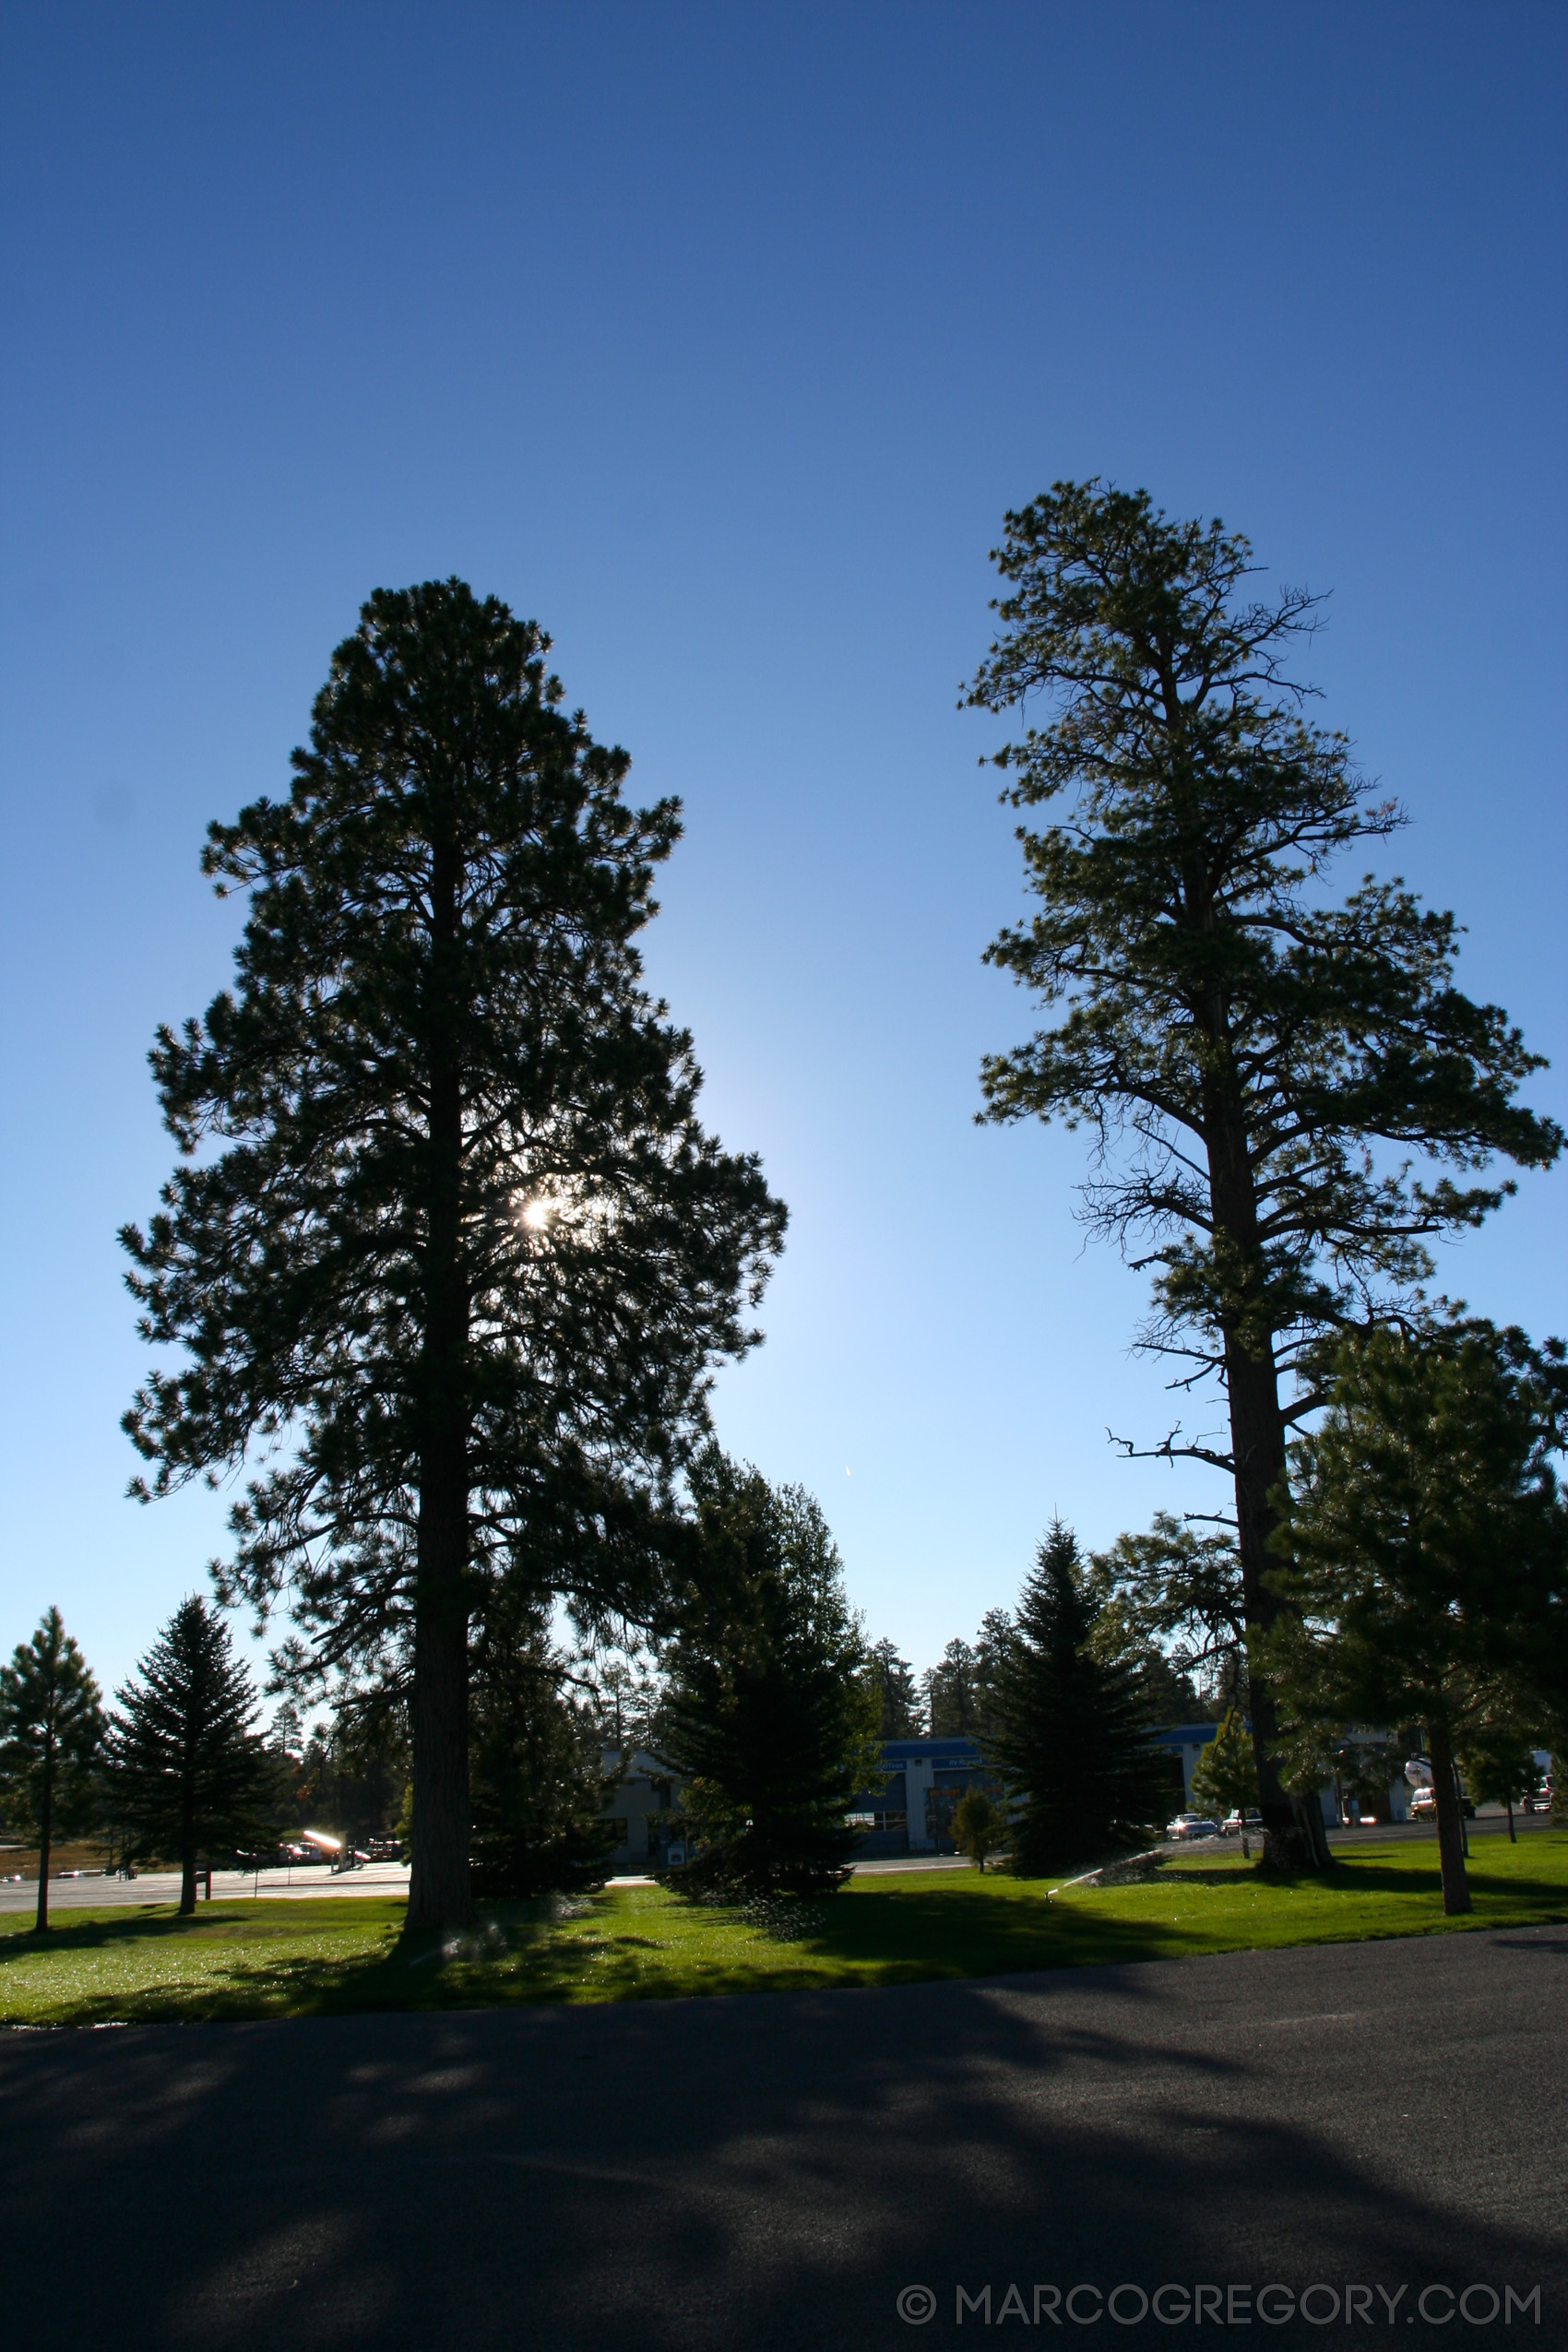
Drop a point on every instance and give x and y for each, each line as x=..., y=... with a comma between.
x=1178, y=1585
x=51, y=1733
x=978, y=1827
x=952, y=1692
x=770, y=1717
x=1288, y=1098
x=539, y=1786
x=892, y=1679
x=189, y=1774
x=1426, y=1545
x=1498, y=1764
x=448, y=1251
x=960, y=1688
x=1073, y=1730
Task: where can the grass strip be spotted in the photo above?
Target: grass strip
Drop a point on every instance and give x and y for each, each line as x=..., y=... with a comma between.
x=240, y=1958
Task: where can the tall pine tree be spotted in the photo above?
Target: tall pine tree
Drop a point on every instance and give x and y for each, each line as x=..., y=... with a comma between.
x=893, y=1680
x=447, y=1239
x=770, y=1717
x=51, y=1731
x=952, y=1701
x=1072, y=1732
x=190, y=1776
x=1239, y=1046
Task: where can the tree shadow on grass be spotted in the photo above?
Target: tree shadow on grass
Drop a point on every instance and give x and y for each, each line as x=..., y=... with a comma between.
x=210, y=1969
x=1375, y=1878
x=905, y=1934
x=235, y=1961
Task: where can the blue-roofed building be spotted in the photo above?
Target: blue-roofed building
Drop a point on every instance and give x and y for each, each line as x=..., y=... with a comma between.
x=1188, y=1740
x=909, y=1814
x=925, y=1780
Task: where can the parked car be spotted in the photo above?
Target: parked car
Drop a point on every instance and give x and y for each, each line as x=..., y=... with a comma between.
x=1423, y=1805
x=1232, y=1824
x=1188, y=1825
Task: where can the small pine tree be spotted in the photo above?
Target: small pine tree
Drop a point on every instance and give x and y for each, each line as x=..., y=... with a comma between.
x=1499, y=1765
x=190, y=1774
x=536, y=1786
x=50, y=1730
x=1072, y=1738
x=771, y=1720
x=978, y=1827
x=1425, y=1531
x=1225, y=1773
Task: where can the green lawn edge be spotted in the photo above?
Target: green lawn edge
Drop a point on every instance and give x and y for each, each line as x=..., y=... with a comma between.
x=241, y=1959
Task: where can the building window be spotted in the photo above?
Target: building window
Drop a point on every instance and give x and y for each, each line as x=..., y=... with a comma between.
x=618, y=1829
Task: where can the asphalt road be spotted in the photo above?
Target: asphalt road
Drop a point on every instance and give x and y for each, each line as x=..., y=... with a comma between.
x=96, y=1892
x=773, y=2171
x=392, y=1878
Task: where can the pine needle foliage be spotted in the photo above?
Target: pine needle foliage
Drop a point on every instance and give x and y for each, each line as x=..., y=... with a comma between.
x=539, y=1787
x=892, y=1679
x=1226, y=1775
x=1072, y=1738
x=1425, y=1544
x=1498, y=1762
x=50, y=1734
x=190, y=1777
x=1290, y=1099
x=979, y=1826
x=448, y=1251
x=960, y=1688
x=771, y=1719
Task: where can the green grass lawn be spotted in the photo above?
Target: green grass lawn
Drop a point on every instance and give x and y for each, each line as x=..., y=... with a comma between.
x=274, y=1959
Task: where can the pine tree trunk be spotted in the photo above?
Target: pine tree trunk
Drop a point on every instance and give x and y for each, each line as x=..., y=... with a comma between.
x=188, y=1845
x=45, y=1837
x=439, y=1890
x=439, y=1893
x=1293, y=1835
x=1450, y=1822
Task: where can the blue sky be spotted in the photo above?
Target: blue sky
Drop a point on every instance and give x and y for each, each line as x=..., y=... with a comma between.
x=718, y=339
